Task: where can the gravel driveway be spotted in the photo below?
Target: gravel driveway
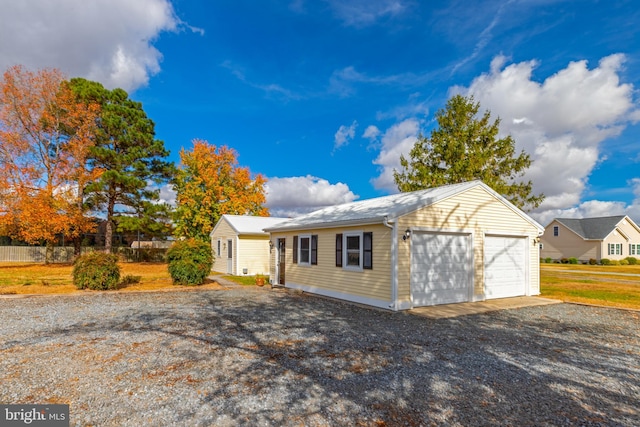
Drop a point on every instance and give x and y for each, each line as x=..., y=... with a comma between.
x=263, y=357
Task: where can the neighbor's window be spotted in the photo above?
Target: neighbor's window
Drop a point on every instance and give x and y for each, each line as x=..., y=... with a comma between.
x=634, y=249
x=556, y=230
x=219, y=243
x=614, y=249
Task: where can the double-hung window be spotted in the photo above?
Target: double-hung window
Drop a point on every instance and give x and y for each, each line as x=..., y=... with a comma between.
x=305, y=249
x=614, y=249
x=634, y=249
x=354, y=250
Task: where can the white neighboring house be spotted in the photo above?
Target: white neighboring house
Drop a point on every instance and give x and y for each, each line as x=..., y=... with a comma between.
x=240, y=245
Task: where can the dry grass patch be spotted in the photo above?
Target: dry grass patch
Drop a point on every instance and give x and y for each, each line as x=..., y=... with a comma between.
x=599, y=289
x=29, y=278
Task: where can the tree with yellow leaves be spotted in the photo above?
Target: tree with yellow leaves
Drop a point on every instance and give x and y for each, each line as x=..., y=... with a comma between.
x=209, y=183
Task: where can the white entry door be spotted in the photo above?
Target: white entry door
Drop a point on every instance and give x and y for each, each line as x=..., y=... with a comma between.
x=441, y=268
x=505, y=266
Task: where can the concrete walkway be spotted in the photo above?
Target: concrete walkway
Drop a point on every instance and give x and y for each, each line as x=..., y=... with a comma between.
x=465, y=308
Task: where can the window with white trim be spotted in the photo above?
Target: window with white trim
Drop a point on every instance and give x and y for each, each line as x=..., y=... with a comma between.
x=354, y=250
x=614, y=249
x=634, y=249
x=305, y=249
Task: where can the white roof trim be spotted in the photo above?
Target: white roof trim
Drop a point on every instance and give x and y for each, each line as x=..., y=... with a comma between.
x=248, y=224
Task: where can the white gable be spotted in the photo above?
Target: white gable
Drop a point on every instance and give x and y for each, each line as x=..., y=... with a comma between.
x=246, y=224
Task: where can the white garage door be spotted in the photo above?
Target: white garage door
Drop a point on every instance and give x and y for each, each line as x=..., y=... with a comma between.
x=441, y=268
x=504, y=266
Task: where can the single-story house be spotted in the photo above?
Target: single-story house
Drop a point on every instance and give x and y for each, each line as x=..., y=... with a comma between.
x=455, y=243
x=612, y=237
x=240, y=245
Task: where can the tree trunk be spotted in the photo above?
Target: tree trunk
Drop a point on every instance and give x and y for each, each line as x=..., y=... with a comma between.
x=48, y=253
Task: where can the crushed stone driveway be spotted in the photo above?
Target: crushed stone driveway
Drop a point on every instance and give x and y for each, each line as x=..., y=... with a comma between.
x=261, y=357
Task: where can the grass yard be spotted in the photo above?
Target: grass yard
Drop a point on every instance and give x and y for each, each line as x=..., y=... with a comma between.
x=29, y=278
x=592, y=284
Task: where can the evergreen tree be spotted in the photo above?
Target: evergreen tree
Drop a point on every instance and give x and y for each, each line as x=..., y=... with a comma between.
x=463, y=148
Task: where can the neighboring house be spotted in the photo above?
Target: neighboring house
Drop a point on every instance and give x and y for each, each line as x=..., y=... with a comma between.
x=456, y=243
x=612, y=237
x=240, y=246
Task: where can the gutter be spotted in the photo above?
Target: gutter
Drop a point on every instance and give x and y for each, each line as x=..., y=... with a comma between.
x=394, y=262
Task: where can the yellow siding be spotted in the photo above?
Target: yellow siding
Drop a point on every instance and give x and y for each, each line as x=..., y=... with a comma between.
x=253, y=254
x=223, y=232
x=476, y=211
x=375, y=283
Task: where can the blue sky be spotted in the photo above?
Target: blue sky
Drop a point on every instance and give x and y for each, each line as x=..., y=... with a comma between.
x=322, y=97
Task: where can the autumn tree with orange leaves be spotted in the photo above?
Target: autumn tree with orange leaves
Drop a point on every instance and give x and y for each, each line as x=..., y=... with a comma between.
x=45, y=139
x=209, y=183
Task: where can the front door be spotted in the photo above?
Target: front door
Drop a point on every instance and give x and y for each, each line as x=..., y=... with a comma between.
x=281, y=261
x=229, y=256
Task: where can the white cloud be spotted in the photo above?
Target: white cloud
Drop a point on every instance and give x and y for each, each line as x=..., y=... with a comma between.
x=344, y=134
x=397, y=140
x=371, y=132
x=559, y=122
x=292, y=196
x=361, y=13
x=110, y=41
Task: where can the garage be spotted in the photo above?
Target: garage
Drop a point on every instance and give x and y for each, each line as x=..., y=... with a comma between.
x=505, y=266
x=441, y=268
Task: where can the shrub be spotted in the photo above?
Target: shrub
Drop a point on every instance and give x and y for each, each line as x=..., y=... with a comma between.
x=592, y=261
x=548, y=260
x=190, y=261
x=624, y=262
x=130, y=280
x=632, y=260
x=573, y=260
x=614, y=262
x=605, y=261
x=564, y=260
x=97, y=271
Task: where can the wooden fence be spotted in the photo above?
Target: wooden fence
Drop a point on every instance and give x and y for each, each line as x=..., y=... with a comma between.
x=65, y=254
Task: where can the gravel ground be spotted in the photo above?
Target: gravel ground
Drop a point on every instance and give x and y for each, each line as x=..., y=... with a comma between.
x=265, y=357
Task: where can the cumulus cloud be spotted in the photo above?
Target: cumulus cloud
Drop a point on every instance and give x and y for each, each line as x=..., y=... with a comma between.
x=371, y=132
x=110, y=41
x=344, y=134
x=292, y=196
x=397, y=140
x=596, y=208
x=560, y=122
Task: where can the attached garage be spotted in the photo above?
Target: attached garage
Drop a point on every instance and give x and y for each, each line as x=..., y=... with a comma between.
x=441, y=268
x=505, y=266
x=451, y=244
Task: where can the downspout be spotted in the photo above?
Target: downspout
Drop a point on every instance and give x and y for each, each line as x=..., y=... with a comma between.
x=394, y=263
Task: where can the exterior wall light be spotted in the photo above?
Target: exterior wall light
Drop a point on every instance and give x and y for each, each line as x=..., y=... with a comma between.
x=407, y=234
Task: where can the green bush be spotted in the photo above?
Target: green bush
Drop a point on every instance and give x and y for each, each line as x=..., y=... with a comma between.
x=605, y=261
x=97, y=271
x=573, y=260
x=548, y=260
x=632, y=260
x=190, y=261
x=564, y=260
x=614, y=262
x=130, y=280
x=592, y=261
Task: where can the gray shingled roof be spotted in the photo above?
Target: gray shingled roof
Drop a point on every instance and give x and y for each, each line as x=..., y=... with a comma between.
x=592, y=228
